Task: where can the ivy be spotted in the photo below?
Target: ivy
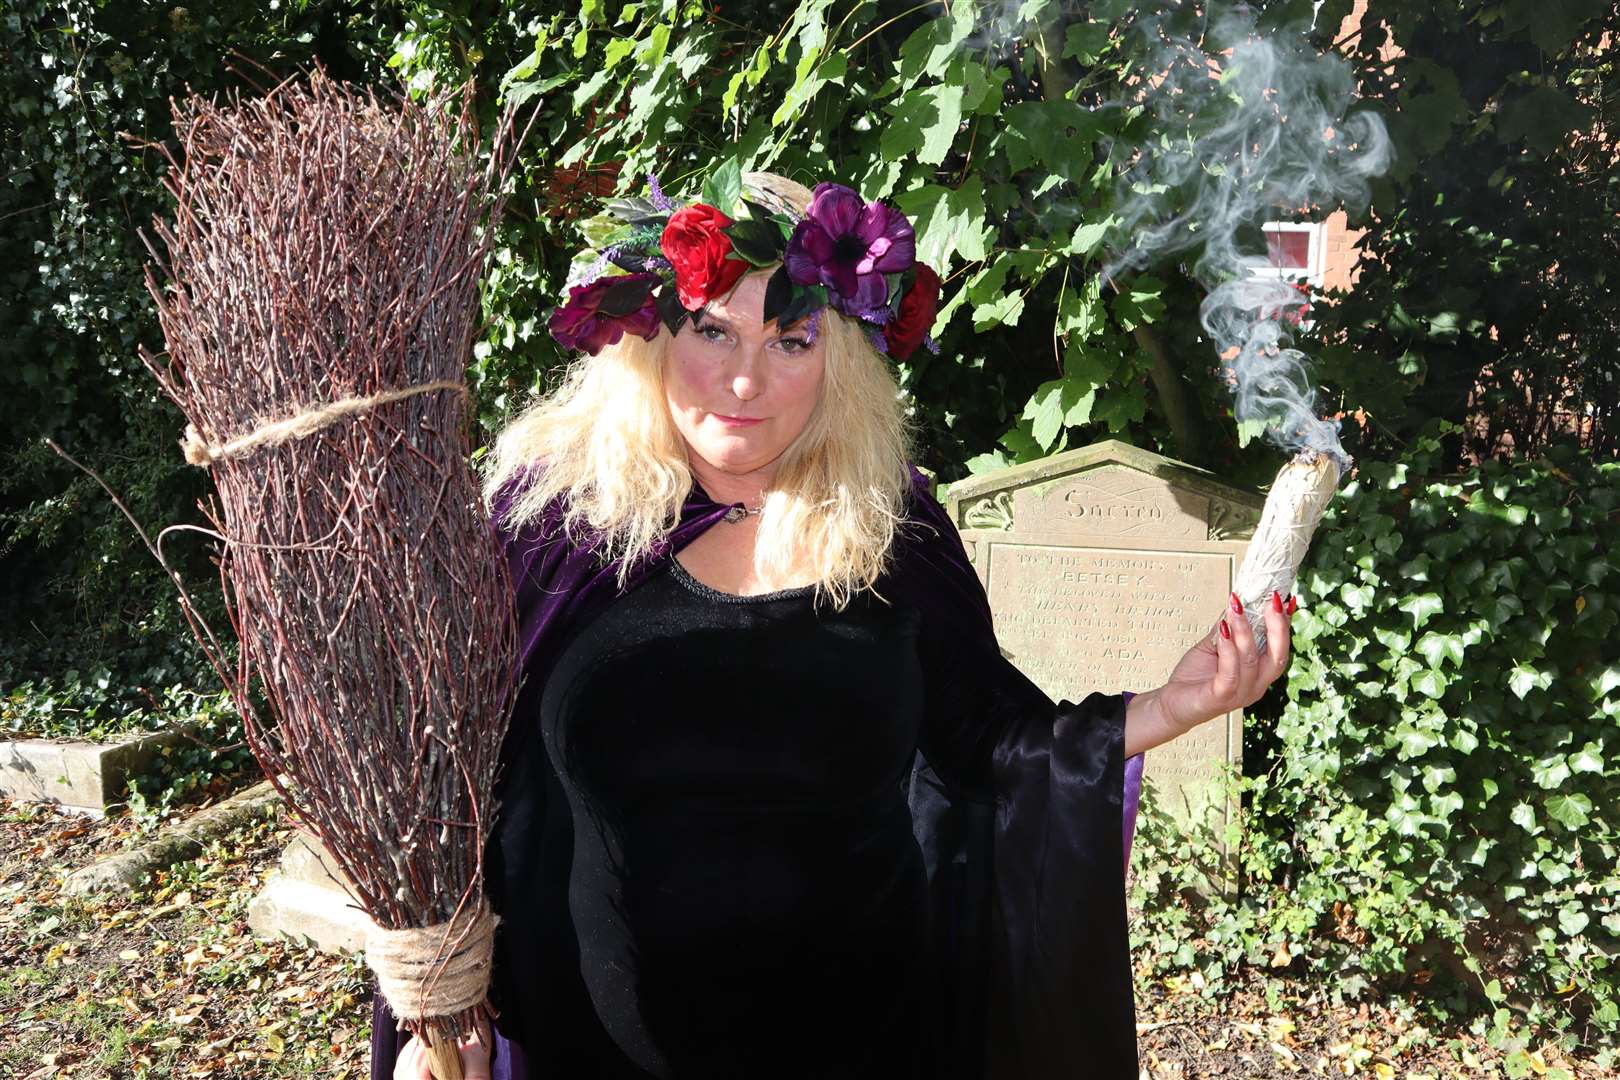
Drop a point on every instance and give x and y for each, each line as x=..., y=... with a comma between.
x=1437, y=812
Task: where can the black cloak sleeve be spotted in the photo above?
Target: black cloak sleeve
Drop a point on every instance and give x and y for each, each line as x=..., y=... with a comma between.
x=1018, y=803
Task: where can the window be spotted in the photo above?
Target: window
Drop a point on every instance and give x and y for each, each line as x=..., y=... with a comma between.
x=1296, y=251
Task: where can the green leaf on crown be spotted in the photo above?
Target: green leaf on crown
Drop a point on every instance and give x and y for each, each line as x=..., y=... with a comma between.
x=757, y=242
x=723, y=188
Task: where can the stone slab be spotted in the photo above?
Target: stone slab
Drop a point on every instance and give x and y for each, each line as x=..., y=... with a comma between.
x=1103, y=566
x=305, y=899
x=325, y=918
x=75, y=774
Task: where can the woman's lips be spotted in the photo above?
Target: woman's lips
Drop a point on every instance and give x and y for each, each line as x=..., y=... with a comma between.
x=738, y=421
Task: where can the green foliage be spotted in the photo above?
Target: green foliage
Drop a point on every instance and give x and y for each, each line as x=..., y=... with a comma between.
x=1485, y=291
x=980, y=122
x=985, y=123
x=209, y=760
x=1439, y=806
x=83, y=85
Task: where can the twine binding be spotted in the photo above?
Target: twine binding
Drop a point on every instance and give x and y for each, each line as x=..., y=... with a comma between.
x=199, y=453
x=439, y=970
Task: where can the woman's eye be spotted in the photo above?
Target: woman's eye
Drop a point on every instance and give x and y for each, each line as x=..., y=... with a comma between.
x=793, y=345
x=711, y=332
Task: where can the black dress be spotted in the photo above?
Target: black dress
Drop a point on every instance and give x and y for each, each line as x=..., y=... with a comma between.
x=745, y=896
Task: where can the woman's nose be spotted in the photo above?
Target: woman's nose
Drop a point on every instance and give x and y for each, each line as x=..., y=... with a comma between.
x=748, y=377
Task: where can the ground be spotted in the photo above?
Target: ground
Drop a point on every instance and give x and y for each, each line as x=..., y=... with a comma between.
x=166, y=982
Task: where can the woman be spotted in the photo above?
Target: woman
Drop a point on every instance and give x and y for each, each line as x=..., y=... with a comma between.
x=774, y=804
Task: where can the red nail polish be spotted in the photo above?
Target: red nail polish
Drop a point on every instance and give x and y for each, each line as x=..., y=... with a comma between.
x=1276, y=601
x=1293, y=604
x=1237, y=605
x=1226, y=631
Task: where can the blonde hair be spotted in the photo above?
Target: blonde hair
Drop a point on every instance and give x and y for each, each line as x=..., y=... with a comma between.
x=608, y=447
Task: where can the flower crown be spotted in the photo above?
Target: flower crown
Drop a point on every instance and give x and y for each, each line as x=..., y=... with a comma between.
x=659, y=262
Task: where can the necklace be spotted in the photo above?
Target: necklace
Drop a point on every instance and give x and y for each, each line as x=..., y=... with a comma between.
x=739, y=512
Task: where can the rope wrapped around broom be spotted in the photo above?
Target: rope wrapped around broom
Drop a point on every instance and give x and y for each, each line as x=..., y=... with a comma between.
x=319, y=309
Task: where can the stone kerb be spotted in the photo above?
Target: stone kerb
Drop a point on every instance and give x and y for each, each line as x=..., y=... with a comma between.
x=1103, y=566
x=85, y=777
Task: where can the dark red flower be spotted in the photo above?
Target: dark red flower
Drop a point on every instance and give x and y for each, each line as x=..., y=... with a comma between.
x=697, y=248
x=601, y=312
x=903, y=333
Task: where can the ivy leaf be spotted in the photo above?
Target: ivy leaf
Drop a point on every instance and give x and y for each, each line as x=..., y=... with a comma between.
x=1524, y=678
x=1572, y=920
x=1550, y=772
x=1430, y=683
x=1356, y=597
x=1437, y=647
x=1422, y=608
x=1571, y=811
x=1588, y=759
x=1415, y=742
x=1605, y=681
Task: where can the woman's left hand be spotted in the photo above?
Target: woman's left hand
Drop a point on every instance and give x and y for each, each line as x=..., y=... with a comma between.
x=1223, y=673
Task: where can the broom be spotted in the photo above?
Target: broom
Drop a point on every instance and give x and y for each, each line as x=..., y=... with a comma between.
x=322, y=287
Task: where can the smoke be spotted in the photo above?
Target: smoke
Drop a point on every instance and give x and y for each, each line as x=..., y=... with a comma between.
x=1246, y=127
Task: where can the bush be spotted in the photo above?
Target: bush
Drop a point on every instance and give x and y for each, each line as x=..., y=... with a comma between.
x=77, y=589
x=1442, y=800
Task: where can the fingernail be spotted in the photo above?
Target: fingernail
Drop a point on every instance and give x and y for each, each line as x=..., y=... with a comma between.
x=1276, y=600
x=1237, y=605
x=1293, y=604
x=1226, y=631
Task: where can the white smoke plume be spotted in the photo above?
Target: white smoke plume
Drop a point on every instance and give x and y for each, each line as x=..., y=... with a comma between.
x=1248, y=127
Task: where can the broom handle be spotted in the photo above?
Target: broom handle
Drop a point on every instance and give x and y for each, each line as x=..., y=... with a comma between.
x=444, y=1059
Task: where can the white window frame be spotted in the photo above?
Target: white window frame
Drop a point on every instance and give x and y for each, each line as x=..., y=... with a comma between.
x=1316, y=259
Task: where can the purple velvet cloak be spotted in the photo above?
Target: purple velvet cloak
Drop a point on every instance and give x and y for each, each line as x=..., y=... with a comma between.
x=1028, y=894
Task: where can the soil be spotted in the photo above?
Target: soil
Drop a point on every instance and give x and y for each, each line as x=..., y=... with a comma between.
x=165, y=981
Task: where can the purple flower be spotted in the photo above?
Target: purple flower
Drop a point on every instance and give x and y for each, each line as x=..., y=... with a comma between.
x=600, y=312
x=659, y=199
x=848, y=244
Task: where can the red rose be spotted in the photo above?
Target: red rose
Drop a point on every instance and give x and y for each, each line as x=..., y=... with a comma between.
x=903, y=333
x=695, y=246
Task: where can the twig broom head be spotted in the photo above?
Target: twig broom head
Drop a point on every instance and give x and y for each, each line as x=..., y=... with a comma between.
x=319, y=305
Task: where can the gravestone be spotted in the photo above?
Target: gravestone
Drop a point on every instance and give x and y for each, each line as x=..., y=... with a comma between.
x=1104, y=565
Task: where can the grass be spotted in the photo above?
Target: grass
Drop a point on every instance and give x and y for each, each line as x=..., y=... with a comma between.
x=165, y=982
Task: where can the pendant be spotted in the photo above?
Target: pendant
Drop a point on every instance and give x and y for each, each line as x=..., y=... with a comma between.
x=735, y=514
